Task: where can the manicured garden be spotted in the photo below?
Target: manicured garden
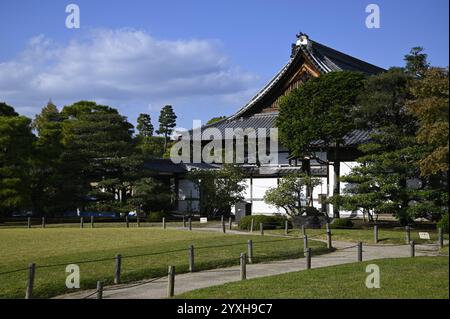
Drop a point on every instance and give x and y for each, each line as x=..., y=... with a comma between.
x=420, y=277
x=146, y=253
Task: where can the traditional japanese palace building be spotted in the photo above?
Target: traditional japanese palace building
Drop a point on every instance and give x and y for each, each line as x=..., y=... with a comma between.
x=308, y=59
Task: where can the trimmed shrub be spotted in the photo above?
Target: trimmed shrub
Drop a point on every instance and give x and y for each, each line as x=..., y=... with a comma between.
x=443, y=222
x=341, y=223
x=270, y=222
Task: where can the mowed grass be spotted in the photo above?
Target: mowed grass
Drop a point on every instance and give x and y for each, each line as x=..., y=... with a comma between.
x=146, y=253
x=385, y=236
x=421, y=277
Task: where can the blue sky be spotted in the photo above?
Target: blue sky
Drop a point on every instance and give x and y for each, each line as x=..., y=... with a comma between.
x=205, y=57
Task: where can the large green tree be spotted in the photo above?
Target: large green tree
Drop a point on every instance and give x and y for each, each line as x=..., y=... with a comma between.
x=387, y=179
x=319, y=114
x=16, y=149
x=167, y=122
x=97, y=155
x=429, y=103
x=47, y=178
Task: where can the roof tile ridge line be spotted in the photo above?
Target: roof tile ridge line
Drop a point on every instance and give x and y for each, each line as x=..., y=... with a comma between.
x=315, y=60
x=347, y=55
x=262, y=92
x=328, y=60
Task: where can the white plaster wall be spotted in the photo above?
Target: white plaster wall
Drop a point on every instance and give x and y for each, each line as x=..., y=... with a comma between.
x=261, y=185
x=345, y=168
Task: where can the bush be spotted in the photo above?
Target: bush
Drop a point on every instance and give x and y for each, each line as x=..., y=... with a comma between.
x=341, y=223
x=270, y=222
x=157, y=216
x=443, y=222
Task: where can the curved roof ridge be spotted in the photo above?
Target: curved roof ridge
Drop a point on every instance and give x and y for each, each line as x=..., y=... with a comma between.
x=264, y=90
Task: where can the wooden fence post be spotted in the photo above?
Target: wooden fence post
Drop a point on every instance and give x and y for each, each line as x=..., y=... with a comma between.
x=250, y=250
x=251, y=225
x=408, y=234
x=30, y=281
x=138, y=220
x=308, y=258
x=230, y=221
x=99, y=290
x=329, y=242
x=441, y=237
x=127, y=221
x=29, y=222
x=164, y=223
x=286, y=227
x=191, y=258
x=190, y=223
x=118, y=266
x=412, y=248
x=305, y=244
x=261, y=228
x=243, y=261
x=304, y=230
x=43, y=221
x=171, y=282
x=81, y=222
x=92, y=221
x=184, y=221
x=375, y=234
x=223, y=225
x=360, y=252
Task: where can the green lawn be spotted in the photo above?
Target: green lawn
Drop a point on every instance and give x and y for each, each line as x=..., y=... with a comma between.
x=385, y=236
x=421, y=277
x=160, y=248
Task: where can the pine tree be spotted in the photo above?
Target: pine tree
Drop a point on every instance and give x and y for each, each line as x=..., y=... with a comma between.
x=416, y=62
x=144, y=126
x=47, y=178
x=167, y=122
x=98, y=156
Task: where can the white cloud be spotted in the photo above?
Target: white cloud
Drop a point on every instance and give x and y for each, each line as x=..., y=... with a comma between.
x=119, y=66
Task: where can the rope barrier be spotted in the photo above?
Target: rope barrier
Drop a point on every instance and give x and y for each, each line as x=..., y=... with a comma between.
x=344, y=248
x=147, y=254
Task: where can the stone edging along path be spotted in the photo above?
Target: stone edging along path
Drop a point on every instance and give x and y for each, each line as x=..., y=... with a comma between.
x=345, y=252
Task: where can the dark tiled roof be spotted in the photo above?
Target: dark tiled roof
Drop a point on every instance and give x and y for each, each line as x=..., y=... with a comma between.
x=268, y=120
x=330, y=60
x=256, y=121
x=163, y=166
x=352, y=139
x=324, y=58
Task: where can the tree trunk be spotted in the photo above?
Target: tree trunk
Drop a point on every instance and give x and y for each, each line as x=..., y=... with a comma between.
x=306, y=168
x=165, y=142
x=337, y=179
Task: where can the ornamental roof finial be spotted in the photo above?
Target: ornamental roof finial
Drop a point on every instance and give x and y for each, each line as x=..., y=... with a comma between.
x=302, y=38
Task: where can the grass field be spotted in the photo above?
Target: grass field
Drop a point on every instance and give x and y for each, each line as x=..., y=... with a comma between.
x=385, y=236
x=421, y=277
x=146, y=254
